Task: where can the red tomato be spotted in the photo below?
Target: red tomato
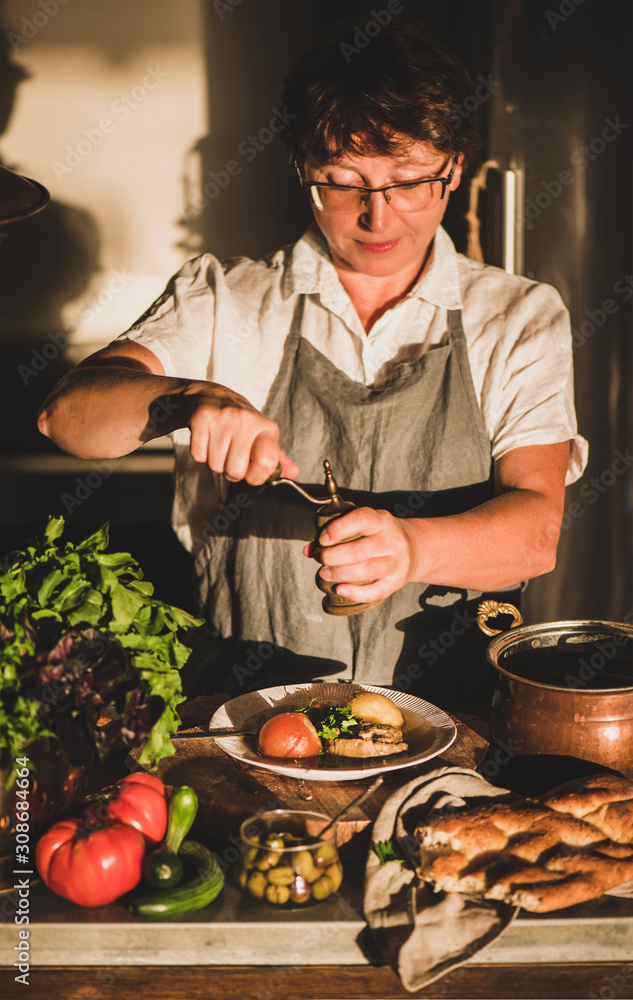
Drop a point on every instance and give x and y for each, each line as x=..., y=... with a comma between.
x=137, y=800
x=142, y=778
x=90, y=866
x=290, y=734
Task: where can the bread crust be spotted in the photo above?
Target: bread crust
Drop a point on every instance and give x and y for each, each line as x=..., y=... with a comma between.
x=606, y=801
x=563, y=881
x=374, y=707
x=598, y=790
x=538, y=854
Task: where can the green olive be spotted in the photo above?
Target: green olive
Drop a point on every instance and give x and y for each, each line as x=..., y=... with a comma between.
x=300, y=895
x=325, y=855
x=304, y=866
x=249, y=857
x=241, y=874
x=266, y=860
x=274, y=840
x=335, y=873
x=256, y=885
x=323, y=887
x=281, y=876
x=278, y=894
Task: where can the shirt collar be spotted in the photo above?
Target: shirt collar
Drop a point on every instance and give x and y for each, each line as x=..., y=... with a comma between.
x=310, y=270
x=439, y=282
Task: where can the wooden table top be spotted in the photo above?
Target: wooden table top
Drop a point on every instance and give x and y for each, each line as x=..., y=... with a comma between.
x=562, y=981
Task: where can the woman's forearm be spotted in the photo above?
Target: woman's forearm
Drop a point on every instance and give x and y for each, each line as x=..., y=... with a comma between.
x=109, y=410
x=510, y=538
x=106, y=412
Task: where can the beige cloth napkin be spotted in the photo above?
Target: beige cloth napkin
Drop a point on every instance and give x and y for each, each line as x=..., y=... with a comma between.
x=421, y=933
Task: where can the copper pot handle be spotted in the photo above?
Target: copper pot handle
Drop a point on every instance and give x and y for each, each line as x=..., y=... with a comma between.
x=490, y=609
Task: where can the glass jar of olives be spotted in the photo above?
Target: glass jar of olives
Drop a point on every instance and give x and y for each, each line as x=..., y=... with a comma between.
x=285, y=862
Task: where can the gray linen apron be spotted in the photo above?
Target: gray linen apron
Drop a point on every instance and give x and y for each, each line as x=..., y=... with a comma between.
x=418, y=448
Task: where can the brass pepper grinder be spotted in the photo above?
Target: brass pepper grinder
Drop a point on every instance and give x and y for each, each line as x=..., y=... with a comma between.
x=330, y=507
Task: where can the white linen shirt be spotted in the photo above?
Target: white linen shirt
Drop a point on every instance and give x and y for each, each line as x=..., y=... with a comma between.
x=227, y=322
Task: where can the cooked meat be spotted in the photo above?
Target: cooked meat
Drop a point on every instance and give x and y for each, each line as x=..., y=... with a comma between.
x=378, y=732
x=362, y=748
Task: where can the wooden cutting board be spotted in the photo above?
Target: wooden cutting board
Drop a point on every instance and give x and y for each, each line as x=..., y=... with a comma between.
x=230, y=790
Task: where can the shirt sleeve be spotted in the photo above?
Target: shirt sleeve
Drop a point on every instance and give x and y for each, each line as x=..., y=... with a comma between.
x=179, y=326
x=528, y=383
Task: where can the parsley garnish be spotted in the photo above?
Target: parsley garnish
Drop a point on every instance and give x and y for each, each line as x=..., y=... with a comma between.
x=385, y=851
x=331, y=721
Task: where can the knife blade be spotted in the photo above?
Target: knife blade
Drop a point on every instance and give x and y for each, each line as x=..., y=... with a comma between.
x=211, y=734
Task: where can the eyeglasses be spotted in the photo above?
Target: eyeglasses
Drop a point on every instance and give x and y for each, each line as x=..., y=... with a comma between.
x=411, y=196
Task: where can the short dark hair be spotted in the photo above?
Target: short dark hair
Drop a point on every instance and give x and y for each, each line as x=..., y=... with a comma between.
x=360, y=100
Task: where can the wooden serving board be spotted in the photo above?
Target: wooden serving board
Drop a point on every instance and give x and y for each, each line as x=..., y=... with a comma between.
x=230, y=790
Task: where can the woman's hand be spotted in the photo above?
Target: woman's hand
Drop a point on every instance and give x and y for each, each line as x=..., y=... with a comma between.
x=119, y=398
x=233, y=438
x=384, y=555
x=509, y=538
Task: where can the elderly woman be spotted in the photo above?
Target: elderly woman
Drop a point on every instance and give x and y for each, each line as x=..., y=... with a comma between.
x=440, y=390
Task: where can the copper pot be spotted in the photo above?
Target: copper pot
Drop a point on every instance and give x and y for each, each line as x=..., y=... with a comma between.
x=563, y=688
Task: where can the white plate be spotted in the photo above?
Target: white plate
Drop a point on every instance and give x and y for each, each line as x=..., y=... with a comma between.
x=427, y=729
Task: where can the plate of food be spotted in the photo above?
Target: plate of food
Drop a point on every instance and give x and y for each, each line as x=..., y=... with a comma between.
x=332, y=731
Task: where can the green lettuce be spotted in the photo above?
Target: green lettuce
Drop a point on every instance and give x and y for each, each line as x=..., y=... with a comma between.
x=52, y=589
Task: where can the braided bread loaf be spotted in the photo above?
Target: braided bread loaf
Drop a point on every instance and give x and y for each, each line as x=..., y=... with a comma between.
x=603, y=800
x=540, y=854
